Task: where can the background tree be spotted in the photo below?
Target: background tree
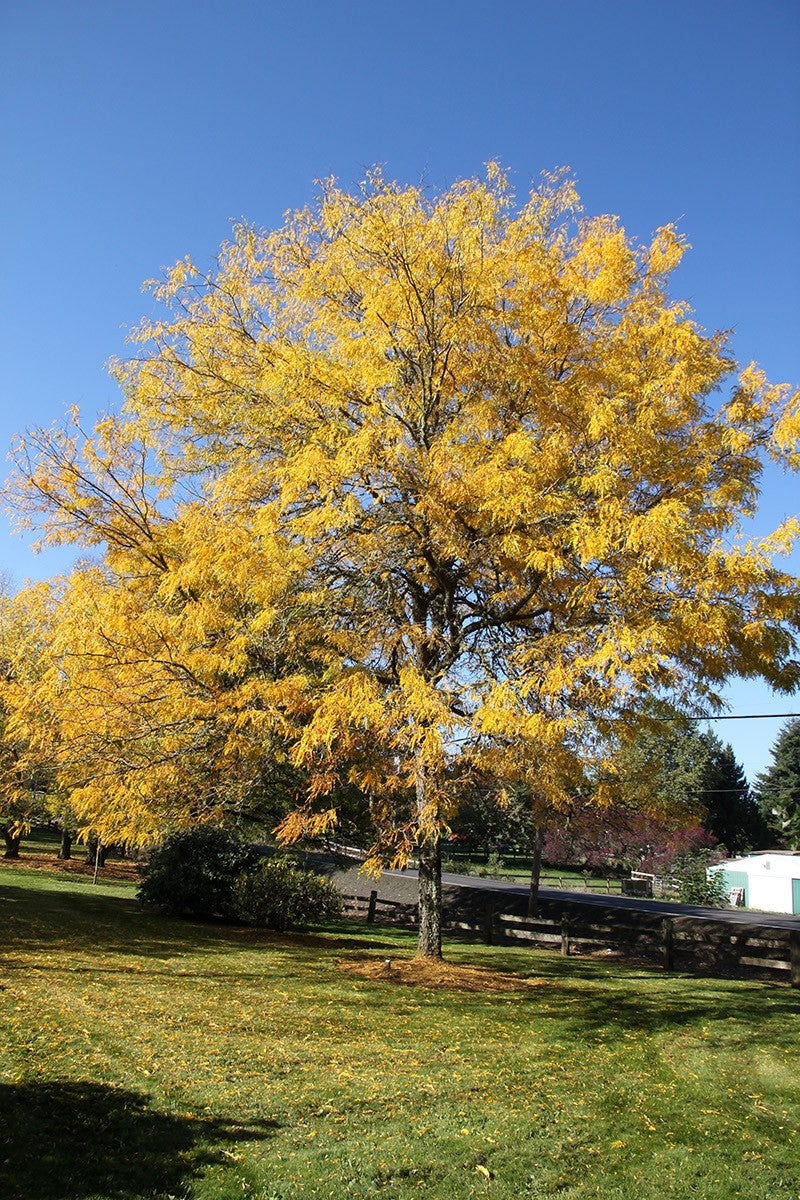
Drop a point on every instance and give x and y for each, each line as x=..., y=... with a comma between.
x=660, y=769
x=475, y=491
x=485, y=825
x=622, y=839
x=778, y=788
x=731, y=811
x=687, y=777
x=26, y=748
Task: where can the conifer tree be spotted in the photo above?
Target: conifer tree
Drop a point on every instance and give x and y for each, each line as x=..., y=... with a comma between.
x=731, y=811
x=778, y=788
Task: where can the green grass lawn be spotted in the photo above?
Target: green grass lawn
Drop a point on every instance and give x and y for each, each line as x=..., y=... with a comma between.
x=151, y=1058
x=518, y=868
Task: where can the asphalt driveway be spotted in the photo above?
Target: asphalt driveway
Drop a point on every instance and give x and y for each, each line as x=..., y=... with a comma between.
x=402, y=886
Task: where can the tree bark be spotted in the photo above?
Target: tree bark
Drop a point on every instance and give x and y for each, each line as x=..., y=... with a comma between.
x=429, y=943
x=96, y=852
x=65, y=849
x=536, y=871
x=12, y=841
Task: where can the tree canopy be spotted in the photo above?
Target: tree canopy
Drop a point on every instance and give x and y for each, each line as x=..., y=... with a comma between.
x=416, y=486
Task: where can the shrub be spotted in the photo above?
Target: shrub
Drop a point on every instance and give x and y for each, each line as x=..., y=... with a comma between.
x=692, y=883
x=493, y=867
x=457, y=866
x=279, y=894
x=193, y=873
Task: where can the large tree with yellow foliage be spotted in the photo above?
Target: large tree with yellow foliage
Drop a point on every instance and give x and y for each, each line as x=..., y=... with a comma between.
x=463, y=475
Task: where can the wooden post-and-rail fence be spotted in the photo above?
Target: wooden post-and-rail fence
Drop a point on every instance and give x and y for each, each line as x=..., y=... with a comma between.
x=690, y=943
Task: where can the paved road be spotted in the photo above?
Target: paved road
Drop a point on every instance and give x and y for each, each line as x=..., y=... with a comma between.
x=402, y=885
x=735, y=916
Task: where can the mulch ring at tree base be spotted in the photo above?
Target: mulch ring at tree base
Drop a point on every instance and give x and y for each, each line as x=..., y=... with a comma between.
x=114, y=871
x=436, y=973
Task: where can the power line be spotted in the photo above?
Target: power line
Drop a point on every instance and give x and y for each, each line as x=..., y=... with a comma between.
x=734, y=717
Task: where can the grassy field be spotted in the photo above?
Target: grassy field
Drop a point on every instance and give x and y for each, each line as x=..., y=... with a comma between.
x=147, y=1058
x=509, y=865
x=519, y=869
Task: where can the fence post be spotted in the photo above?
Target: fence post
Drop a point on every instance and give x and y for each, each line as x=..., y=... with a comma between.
x=794, y=957
x=488, y=922
x=564, y=934
x=373, y=900
x=668, y=943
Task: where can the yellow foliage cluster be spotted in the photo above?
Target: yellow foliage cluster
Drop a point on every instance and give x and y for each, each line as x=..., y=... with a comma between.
x=413, y=489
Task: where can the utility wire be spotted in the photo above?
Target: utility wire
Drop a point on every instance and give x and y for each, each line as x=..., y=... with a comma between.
x=730, y=717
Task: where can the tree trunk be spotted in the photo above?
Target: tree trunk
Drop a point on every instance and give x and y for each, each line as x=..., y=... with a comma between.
x=536, y=871
x=429, y=943
x=96, y=853
x=12, y=841
x=65, y=849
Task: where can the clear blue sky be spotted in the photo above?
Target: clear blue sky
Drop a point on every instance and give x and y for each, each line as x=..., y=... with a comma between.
x=132, y=134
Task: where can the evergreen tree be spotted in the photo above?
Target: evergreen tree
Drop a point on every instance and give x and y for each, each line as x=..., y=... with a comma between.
x=732, y=814
x=778, y=788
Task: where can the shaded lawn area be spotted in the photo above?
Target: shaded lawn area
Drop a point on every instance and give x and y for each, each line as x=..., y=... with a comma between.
x=142, y=1057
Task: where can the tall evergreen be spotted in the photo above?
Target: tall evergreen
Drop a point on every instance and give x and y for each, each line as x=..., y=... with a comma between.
x=732, y=813
x=778, y=788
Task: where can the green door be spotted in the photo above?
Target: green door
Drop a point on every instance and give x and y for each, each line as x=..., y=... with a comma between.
x=737, y=879
x=796, y=896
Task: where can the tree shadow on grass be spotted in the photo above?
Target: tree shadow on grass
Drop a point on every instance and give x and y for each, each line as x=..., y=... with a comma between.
x=74, y=1140
x=41, y=921
x=763, y=1015
x=593, y=1002
x=72, y=920
x=587, y=999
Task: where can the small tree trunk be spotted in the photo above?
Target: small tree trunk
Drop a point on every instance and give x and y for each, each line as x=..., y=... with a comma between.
x=536, y=871
x=65, y=849
x=91, y=850
x=429, y=943
x=12, y=841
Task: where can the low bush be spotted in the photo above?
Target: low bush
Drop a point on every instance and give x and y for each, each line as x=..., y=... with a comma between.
x=692, y=883
x=457, y=866
x=493, y=868
x=279, y=894
x=193, y=873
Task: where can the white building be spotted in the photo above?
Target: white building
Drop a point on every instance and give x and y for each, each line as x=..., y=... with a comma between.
x=768, y=880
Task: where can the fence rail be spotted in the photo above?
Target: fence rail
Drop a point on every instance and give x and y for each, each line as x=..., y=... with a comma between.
x=691, y=943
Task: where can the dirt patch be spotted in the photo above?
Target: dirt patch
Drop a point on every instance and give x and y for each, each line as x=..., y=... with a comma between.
x=436, y=973
x=112, y=872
